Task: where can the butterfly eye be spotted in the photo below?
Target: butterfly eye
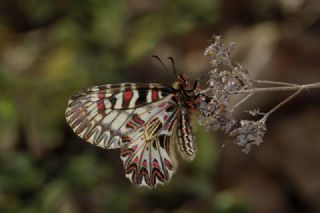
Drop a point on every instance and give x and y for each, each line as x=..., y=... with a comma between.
x=183, y=79
x=207, y=99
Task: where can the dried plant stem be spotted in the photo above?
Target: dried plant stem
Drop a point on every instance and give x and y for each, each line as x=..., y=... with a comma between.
x=274, y=83
x=282, y=88
x=241, y=101
x=264, y=118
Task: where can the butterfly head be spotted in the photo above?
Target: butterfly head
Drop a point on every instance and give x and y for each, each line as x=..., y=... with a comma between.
x=182, y=82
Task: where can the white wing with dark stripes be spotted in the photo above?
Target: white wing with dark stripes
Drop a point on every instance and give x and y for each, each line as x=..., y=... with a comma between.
x=99, y=114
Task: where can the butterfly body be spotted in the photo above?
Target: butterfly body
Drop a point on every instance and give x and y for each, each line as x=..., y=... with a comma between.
x=144, y=121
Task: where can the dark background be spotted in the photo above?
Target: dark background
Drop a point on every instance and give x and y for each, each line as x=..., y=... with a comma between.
x=51, y=49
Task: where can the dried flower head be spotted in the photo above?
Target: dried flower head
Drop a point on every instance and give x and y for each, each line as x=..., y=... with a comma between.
x=225, y=77
x=228, y=78
x=249, y=133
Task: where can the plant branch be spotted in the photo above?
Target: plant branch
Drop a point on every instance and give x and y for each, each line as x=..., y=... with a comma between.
x=274, y=83
x=282, y=103
x=282, y=88
x=241, y=101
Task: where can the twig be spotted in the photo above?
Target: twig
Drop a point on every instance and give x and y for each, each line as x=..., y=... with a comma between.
x=264, y=118
x=242, y=101
x=275, y=83
x=283, y=88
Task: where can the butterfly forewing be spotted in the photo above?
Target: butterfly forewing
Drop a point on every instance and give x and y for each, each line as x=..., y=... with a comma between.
x=99, y=114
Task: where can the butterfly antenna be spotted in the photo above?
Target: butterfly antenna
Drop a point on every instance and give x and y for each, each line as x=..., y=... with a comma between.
x=197, y=81
x=173, y=65
x=162, y=64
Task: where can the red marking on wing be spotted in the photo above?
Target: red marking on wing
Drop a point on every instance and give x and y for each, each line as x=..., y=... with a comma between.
x=144, y=163
x=101, y=94
x=135, y=160
x=138, y=120
x=168, y=164
x=129, y=125
x=165, y=117
x=135, y=147
x=101, y=106
x=127, y=95
x=154, y=95
x=166, y=127
x=155, y=163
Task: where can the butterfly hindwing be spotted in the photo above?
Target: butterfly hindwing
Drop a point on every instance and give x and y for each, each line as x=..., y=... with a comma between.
x=147, y=156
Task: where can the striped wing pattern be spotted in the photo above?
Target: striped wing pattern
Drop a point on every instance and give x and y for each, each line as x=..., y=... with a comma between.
x=98, y=114
x=137, y=118
x=146, y=152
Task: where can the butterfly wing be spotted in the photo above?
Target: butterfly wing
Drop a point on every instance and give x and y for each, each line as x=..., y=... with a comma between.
x=146, y=153
x=137, y=118
x=99, y=114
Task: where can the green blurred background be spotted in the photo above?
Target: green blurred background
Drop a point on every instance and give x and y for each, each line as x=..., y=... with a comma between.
x=51, y=49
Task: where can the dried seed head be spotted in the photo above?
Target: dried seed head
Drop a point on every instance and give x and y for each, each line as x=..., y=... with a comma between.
x=225, y=79
x=250, y=133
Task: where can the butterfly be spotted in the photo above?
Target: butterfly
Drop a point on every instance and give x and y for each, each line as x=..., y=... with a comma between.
x=145, y=121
